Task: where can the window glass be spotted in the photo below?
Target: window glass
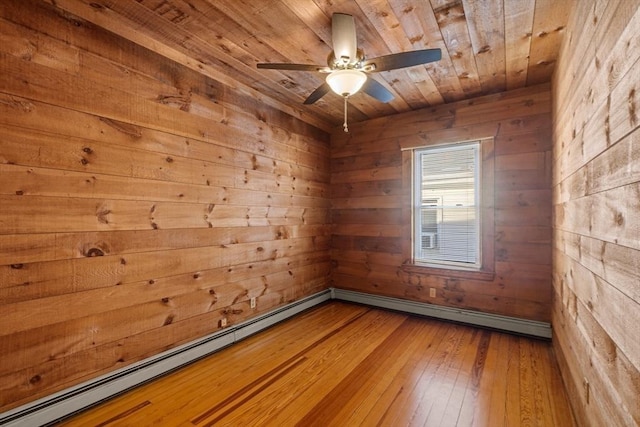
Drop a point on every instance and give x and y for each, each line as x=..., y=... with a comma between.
x=447, y=205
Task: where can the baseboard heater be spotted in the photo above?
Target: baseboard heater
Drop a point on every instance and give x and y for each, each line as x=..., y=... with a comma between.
x=476, y=318
x=48, y=410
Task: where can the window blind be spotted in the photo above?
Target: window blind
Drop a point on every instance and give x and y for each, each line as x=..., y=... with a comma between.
x=447, y=205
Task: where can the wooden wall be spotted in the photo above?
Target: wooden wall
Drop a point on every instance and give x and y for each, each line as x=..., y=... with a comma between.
x=140, y=203
x=370, y=185
x=596, y=199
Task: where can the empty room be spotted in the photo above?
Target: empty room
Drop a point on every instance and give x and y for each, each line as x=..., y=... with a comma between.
x=320, y=213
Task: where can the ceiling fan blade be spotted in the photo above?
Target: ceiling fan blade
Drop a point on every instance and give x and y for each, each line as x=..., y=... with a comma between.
x=345, y=43
x=375, y=89
x=321, y=91
x=294, y=67
x=402, y=60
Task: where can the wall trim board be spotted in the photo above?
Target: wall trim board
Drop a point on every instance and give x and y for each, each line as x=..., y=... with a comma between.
x=495, y=321
x=74, y=399
x=61, y=404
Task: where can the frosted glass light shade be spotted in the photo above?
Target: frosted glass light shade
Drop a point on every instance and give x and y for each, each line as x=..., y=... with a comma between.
x=346, y=82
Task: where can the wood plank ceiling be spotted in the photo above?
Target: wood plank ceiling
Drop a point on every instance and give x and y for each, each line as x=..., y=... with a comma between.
x=487, y=46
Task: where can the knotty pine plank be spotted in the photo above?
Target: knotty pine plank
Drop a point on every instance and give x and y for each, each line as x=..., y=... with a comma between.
x=523, y=198
x=367, y=257
x=364, y=230
x=31, y=214
x=578, y=366
x=618, y=165
x=527, y=179
x=523, y=234
x=536, y=216
x=366, y=216
x=619, y=268
x=457, y=45
x=34, y=181
x=602, y=299
x=422, y=30
x=373, y=174
x=147, y=114
x=518, y=20
x=578, y=43
x=391, y=187
x=17, y=249
x=175, y=293
x=367, y=271
x=75, y=275
x=486, y=31
x=367, y=160
x=547, y=32
x=390, y=27
x=359, y=202
x=608, y=216
x=392, y=245
x=80, y=154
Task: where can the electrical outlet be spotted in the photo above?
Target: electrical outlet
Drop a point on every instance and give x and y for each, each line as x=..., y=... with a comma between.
x=223, y=322
x=432, y=292
x=253, y=302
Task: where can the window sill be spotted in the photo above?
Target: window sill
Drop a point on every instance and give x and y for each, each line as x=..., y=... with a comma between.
x=486, y=276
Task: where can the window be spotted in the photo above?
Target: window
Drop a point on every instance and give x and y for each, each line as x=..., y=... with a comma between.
x=446, y=208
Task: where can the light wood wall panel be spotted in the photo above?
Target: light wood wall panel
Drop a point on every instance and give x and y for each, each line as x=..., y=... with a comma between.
x=596, y=222
x=370, y=200
x=140, y=203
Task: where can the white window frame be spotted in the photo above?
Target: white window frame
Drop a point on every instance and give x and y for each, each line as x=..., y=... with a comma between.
x=417, y=206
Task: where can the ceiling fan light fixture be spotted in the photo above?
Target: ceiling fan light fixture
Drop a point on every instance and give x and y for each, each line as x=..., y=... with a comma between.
x=346, y=82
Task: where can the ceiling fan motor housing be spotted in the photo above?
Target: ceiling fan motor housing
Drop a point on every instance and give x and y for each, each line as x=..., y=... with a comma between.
x=345, y=62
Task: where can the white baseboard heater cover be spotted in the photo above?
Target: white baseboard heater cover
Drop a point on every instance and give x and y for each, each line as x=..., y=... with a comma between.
x=58, y=405
x=476, y=318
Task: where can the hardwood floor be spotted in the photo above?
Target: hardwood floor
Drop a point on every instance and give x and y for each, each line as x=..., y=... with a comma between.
x=347, y=365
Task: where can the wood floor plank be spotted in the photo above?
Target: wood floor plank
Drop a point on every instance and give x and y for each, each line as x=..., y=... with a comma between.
x=461, y=407
x=420, y=396
x=342, y=364
x=323, y=368
x=407, y=379
x=490, y=411
x=362, y=386
x=467, y=381
x=512, y=399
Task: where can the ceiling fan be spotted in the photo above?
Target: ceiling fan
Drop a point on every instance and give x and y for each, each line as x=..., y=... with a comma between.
x=347, y=67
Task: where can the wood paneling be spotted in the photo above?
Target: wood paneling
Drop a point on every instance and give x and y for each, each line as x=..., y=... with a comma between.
x=370, y=204
x=349, y=365
x=140, y=203
x=596, y=221
x=486, y=47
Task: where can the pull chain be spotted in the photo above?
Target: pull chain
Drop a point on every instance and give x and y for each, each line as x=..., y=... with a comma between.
x=346, y=128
